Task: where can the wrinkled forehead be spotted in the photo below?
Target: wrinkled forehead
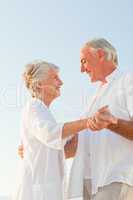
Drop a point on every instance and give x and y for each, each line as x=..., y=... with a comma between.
x=52, y=72
x=86, y=51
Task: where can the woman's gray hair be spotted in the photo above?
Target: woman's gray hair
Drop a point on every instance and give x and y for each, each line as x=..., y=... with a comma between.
x=101, y=43
x=35, y=72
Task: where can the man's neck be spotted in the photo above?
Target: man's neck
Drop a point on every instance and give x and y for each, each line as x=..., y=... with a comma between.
x=107, y=71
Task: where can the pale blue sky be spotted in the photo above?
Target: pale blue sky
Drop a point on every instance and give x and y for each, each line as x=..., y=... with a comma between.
x=54, y=30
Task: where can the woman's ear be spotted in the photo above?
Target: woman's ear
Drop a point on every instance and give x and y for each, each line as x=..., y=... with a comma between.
x=39, y=85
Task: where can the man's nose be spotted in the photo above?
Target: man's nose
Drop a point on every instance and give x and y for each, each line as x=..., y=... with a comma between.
x=82, y=68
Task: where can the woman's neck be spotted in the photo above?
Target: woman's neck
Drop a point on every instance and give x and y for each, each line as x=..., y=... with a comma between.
x=46, y=100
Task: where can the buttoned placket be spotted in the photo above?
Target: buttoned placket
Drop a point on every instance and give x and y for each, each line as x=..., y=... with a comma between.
x=90, y=110
x=96, y=102
x=102, y=89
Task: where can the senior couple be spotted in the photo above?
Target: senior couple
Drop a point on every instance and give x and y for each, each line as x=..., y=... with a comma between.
x=101, y=142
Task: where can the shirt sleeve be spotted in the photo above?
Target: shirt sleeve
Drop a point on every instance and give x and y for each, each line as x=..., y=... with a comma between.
x=44, y=128
x=129, y=94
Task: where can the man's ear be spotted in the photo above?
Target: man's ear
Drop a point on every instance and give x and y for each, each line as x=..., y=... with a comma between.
x=101, y=54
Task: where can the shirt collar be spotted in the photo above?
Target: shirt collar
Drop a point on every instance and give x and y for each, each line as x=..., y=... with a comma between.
x=111, y=76
x=39, y=101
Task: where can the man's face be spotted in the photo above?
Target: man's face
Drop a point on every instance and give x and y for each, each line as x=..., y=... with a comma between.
x=51, y=86
x=91, y=63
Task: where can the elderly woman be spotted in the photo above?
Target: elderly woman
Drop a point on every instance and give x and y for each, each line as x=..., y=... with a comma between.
x=43, y=164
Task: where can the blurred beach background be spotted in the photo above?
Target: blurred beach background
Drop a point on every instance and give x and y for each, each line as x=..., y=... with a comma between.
x=53, y=30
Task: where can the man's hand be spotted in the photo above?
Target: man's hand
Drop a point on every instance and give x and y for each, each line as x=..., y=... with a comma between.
x=105, y=115
x=101, y=119
x=21, y=151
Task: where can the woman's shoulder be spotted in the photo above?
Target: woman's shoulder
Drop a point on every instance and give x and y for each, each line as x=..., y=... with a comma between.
x=36, y=105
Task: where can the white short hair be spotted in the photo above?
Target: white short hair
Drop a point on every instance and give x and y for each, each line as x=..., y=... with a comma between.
x=101, y=43
x=36, y=71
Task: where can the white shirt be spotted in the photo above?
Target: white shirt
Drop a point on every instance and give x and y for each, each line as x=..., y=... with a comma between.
x=42, y=176
x=104, y=156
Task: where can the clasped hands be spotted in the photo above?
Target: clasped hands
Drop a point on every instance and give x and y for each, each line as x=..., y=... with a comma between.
x=101, y=119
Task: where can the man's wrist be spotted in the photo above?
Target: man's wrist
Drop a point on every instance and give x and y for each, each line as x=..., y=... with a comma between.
x=114, y=125
x=85, y=123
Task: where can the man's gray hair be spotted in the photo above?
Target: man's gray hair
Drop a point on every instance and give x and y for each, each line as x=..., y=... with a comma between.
x=101, y=43
x=36, y=71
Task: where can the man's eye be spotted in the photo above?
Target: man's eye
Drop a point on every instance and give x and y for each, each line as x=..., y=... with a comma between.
x=83, y=61
x=56, y=78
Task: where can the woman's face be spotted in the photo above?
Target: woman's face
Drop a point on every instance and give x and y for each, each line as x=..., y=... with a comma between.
x=52, y=84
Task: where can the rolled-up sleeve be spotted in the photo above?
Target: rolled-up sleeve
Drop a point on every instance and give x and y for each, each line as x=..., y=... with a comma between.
x=44, y=127
x=129, y=94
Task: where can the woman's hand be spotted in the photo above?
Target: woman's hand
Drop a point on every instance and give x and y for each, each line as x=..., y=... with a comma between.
x=21, y=151
x=102, y=119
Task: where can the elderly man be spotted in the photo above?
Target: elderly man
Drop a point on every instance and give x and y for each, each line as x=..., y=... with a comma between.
x=103, y=165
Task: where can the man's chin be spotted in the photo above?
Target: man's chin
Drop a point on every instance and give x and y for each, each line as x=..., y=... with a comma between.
x=93, y=79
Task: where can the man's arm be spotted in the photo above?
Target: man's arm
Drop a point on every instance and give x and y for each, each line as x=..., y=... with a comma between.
x=123, y=128
x=119, y=126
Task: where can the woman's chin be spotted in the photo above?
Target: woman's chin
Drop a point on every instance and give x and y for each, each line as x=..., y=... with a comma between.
x=58, y=94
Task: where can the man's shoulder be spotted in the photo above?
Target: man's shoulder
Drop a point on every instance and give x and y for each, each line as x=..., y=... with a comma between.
x=124, y=76
x=127, y=77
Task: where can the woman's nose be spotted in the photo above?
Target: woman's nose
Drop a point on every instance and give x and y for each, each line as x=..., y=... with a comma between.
x=61, y=82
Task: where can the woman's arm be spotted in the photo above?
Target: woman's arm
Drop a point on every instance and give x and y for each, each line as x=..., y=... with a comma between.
x=70, y=147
